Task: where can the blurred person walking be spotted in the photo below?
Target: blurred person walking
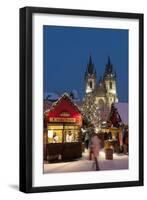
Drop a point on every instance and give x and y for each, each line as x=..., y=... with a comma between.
x=94, y=149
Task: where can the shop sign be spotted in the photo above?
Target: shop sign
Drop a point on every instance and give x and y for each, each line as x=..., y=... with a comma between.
x=60, y=119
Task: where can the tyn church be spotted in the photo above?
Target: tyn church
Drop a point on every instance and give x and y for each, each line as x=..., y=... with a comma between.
x=104, y=92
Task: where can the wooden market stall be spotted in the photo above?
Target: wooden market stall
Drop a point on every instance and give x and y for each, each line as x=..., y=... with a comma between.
x=62, y=130
x=113, y=130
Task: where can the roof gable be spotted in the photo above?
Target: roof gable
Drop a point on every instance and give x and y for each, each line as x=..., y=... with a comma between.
x=123, y=111
x=63, y=104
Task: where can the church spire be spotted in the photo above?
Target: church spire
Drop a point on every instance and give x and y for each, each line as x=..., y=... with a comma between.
x=90, y=76
x=90, y=70
x=90, y=66
x=108, y=68
x=90, y=60
x=109, y=61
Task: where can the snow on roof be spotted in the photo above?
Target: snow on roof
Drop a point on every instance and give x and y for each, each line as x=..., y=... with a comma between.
x=123, y=111
x=51, y=96
x=46, y=105
x=64, y=95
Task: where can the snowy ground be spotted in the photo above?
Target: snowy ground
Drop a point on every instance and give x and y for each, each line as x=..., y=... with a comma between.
x=84, y=164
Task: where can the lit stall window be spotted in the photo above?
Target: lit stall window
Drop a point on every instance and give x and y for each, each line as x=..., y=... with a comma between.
x=55, y=134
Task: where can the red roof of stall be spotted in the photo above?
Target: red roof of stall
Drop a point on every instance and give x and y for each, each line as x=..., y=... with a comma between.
x=63, y=104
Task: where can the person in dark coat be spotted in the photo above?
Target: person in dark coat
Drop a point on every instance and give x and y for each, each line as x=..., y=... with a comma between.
x=86, y=139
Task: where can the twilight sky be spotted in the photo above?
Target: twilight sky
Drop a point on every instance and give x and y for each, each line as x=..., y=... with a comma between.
x=67, y=51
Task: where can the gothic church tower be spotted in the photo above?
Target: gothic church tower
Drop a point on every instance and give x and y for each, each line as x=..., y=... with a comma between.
x=110, y=83
x=90, y=77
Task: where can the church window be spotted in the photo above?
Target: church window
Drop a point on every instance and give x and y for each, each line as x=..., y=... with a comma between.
x=90, y=84
x=110, y=85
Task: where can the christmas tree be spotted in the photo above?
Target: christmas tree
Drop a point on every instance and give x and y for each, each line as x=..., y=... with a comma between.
x=91, y=112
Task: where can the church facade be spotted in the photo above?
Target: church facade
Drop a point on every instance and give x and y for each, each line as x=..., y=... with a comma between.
x=103, y=91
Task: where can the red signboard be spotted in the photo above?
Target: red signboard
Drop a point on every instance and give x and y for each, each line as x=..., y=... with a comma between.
x=61, y=119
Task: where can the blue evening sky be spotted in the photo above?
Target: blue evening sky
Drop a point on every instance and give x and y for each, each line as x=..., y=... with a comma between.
x=67, y=51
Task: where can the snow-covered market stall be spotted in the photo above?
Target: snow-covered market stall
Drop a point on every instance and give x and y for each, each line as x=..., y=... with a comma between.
x=115, y=130
x=62, y=130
